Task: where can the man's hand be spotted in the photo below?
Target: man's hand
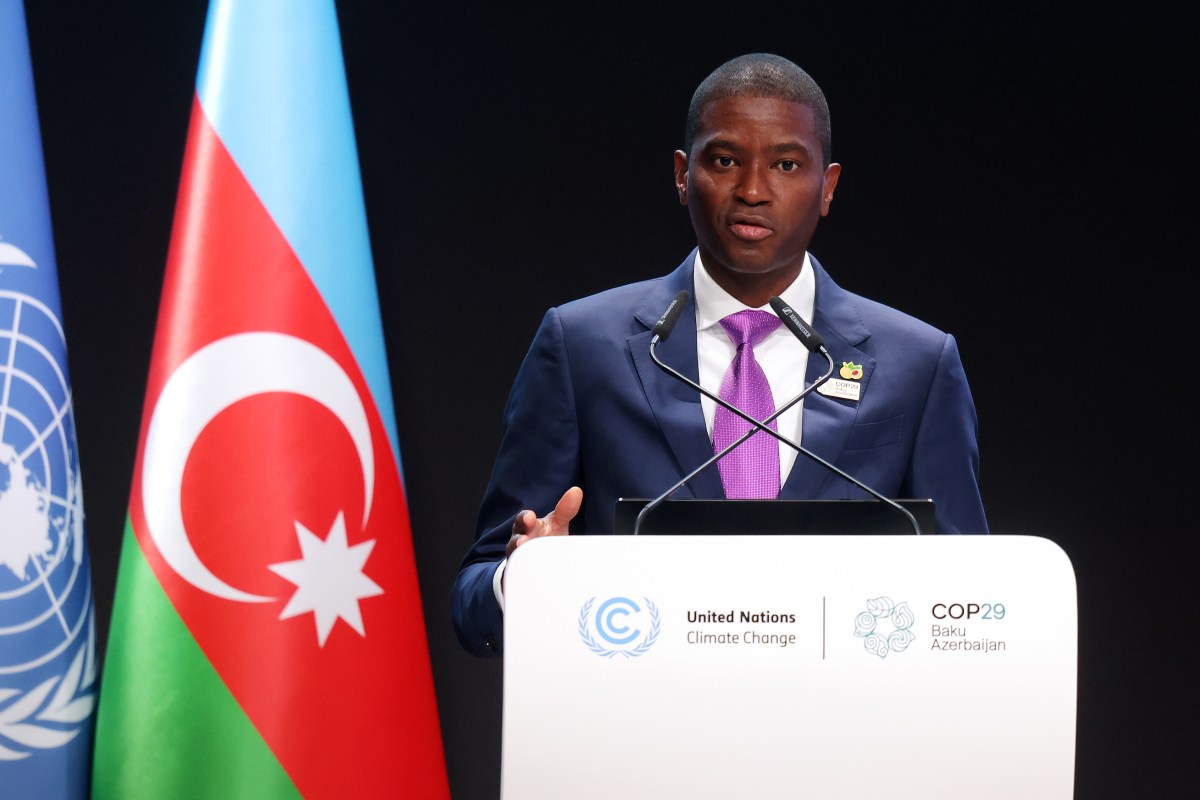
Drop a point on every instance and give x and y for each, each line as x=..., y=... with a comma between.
x=528, y=526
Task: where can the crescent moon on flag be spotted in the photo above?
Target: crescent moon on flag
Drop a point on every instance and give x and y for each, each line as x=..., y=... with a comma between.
x=209, y=381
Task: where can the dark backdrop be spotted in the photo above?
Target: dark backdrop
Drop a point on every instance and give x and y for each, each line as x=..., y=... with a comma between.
x=1020, y=177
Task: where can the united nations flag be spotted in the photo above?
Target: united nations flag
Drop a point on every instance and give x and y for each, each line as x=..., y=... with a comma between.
x=47, y=625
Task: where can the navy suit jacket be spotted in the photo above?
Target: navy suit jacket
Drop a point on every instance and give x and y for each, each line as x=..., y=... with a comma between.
x=590, y=408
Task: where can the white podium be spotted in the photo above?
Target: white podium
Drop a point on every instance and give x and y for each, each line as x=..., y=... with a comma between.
x=789, y=666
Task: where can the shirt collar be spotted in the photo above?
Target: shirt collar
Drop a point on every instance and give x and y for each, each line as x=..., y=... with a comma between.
x=714, y=303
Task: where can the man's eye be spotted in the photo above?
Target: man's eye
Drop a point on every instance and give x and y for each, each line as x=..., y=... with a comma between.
x=724, y=161
x=788, y=165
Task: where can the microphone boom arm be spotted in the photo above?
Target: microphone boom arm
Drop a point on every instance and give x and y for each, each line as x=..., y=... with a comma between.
x=655, y=503
x=763, y=426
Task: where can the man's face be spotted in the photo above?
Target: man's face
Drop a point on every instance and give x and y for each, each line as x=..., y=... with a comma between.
x=755, y=187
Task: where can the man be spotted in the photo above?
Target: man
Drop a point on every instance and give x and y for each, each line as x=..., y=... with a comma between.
x=591, y=418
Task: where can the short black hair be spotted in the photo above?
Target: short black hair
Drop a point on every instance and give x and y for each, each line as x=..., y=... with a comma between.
x=761, y=75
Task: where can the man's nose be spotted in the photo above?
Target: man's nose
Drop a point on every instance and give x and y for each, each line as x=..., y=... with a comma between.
x=754, y=186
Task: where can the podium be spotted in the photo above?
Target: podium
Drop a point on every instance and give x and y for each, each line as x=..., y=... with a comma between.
x=751, y=666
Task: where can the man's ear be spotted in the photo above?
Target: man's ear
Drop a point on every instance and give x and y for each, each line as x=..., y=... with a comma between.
x=681, y=176
x=828, y=185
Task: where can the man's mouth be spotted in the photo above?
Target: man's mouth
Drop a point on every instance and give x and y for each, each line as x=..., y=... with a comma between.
x=750, y=231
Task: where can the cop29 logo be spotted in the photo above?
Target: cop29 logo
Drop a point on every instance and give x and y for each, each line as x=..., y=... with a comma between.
x=619, y=626
x=885, y=627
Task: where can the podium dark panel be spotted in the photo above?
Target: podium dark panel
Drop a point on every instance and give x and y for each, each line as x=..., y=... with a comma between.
x=824, y=517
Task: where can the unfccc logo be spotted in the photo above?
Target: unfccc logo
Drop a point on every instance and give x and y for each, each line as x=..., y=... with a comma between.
x=622, y=626
x=873, y=626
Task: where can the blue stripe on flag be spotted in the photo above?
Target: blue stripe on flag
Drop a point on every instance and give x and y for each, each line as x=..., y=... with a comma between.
x=272, y=83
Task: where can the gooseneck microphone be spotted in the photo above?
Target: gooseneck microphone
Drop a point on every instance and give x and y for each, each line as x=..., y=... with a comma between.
x=813, y=342
x=799, y=328
x=666, y=323
x=662, y=330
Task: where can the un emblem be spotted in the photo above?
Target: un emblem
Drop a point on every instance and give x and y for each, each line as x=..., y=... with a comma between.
x=619, y=626
x=47, y=625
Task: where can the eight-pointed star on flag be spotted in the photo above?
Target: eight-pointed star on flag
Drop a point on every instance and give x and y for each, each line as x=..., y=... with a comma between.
x=329, y=579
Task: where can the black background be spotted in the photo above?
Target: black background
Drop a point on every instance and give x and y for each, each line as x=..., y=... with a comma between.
x=1022, y=177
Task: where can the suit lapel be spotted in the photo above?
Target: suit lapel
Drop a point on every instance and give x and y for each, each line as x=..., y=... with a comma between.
x=827, y=421
x=675, y=405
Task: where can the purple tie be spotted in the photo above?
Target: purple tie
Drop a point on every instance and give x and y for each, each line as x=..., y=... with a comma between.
x=751, y=470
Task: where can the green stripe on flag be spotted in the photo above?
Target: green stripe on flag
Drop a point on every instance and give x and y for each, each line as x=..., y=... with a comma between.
x=167, y=726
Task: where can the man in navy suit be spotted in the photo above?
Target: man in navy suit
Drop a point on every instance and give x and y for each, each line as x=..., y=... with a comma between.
x=591, y=418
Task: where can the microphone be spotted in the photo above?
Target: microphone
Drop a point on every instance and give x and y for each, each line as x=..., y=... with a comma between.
x=799, y=328
x=813, y=342
x=666, y=323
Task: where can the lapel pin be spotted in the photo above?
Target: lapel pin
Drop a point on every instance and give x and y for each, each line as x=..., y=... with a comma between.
x=849, y=387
